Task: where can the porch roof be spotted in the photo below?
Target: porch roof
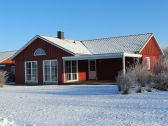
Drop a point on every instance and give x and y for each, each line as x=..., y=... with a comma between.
x=102, y=56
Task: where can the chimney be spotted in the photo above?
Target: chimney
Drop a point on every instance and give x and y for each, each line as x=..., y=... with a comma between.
x=60, y=34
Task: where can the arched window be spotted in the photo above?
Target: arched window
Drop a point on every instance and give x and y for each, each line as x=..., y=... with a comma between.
x=39, y=52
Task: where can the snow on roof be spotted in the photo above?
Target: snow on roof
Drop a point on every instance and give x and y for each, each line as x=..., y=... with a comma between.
x=73, y=46
x=132, y=43
x=6, y=55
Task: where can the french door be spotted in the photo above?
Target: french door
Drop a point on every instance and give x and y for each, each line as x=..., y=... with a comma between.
x=71, y=70
x=31, y=71
x=50, y=71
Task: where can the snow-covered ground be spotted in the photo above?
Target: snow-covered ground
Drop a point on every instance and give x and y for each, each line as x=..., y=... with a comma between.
x=81, y=105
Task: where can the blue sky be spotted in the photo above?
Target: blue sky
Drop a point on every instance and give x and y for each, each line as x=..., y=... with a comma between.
x=20, y=20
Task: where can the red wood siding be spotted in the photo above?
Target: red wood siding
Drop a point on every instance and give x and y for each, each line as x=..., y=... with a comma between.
x=83, y=70
x=153, y=51
x=28, y=55
x=108, y=69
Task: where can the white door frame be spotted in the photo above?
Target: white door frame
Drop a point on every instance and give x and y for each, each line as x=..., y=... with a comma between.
x=90, y=71
x=30, y=81
x=50, y=81
x=71, y=70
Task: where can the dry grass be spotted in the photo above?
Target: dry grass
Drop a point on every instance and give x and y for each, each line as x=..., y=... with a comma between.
x=3, y=77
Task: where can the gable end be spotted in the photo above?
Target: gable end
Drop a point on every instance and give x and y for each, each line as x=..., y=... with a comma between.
x=151, y=48
x=39, y=37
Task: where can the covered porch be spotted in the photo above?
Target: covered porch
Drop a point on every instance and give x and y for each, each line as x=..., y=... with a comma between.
x=97, y=69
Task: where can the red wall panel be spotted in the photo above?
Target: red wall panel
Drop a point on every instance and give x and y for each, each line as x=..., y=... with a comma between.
x=28, y=55
x=83, y=70
x=153, y=51
x=107, y=69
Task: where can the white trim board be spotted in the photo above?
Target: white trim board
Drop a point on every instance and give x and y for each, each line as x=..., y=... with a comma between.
x=26, y=81
x=77, y=79
x=50, y=72
x=102, y=56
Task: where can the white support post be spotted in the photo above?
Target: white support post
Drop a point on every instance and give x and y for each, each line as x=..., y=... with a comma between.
x=123, y=61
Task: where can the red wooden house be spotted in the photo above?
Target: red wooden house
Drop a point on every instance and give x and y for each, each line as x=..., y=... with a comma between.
x=46, y=60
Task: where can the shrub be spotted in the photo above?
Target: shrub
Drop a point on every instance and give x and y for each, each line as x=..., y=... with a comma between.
x=3, y=77
x=139, y=90
x=125, y=82
x=136, y=76
x=161, y=81
x=161, y=70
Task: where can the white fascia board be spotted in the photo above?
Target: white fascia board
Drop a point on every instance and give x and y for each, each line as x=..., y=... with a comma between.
x=132, y=55
x=101, y=56
x=90, y=57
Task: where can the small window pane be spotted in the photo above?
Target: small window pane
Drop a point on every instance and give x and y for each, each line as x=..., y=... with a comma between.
x=92, y=65
x=39, y=52
x=148, y=63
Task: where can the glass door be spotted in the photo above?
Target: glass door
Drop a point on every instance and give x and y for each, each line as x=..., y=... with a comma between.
x=31, y=71
x=50, y=71
x=71, y=71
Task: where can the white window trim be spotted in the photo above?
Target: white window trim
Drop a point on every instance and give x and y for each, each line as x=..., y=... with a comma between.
x=77, y=72
x=148, y=67
x=28, y=81
x=39, y=54
x=50, y=81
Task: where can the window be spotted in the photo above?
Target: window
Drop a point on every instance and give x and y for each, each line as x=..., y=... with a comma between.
x=13, y=69
x=39, y=52
x=148, y=63
x=31, y=71
x=70, y=70
x=92, y=66
x=50, y=71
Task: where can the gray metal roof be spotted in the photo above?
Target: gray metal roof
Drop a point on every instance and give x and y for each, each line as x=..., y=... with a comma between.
x=132, y=43
x=6, y=55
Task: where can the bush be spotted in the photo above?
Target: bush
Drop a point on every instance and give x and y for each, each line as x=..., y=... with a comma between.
x=125, y=82
x=142, y=77
x=3, y=77
x=161, y=70
x=161, y=81
x=136, y=76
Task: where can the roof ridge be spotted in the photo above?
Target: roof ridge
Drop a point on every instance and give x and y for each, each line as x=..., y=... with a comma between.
x=119, y=36
x=57, y=37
